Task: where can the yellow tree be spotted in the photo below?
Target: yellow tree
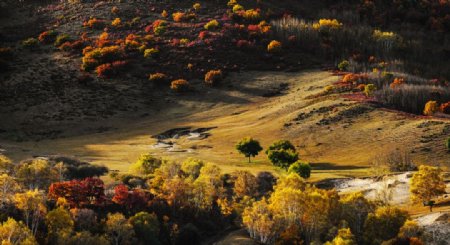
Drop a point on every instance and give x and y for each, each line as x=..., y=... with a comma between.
x=191, y=167
x=6, y=165
x=32, y=205
x=208, y=187
x=317, y=205
x=37, y=173
x=383, y=224
x=344, y=237
x=426, y=184
x=245, y=184
x=58, y=222
x=355, y=208
x=8, y=187
x=15, y=233
x=118, y=230
x=259, y=222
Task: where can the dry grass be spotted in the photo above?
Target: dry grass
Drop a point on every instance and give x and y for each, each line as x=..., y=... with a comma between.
x=346, y=144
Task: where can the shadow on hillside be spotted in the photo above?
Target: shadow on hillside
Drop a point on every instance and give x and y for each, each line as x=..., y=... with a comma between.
x=328, y=166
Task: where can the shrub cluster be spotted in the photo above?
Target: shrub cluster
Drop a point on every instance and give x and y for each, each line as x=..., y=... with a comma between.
x=212, y=25
x=180, y=85
x=274, y=46
x=213, y=77
x=94, y=57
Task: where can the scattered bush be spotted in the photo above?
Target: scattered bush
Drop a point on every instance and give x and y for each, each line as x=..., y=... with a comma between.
x=397, y=82
x=110, y=69
x=60, y=39
x=30, y=43
x=72, y=46
x=274, y=46
x=164, y=14
x=251, y=14
x=351, y=78
x=115, y=10
x=178, y=16
x=196, y=6
x=95, y=57
x=343, y=66
x=323, y=24
x=448, y=144
x=151, y=53
x=369, y=89
x=431, y=107
x=47, y=37
x=116, y=22
x=94, y=23
x=157, y=78
x=237, y=8
x=445, y=108
x=213, y=77
x=212, y=25
x=180, y=85
x=159, y=27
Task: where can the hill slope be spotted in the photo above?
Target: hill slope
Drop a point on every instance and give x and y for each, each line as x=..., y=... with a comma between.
x=339, y=136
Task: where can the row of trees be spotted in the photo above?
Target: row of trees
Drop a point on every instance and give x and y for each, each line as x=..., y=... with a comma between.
x=166, y=202
x=281, y=153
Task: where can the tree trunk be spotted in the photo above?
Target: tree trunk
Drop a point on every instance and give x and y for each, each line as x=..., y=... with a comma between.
x=249, y=159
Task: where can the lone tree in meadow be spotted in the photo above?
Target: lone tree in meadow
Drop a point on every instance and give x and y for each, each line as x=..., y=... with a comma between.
x=248, y=147
x=282, y=154
x=426, y=184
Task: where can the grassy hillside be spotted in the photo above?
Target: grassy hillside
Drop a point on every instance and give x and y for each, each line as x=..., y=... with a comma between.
x=340, y=137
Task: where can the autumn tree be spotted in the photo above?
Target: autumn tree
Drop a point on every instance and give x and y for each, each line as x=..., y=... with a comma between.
x=133, y=200
x=32, y=205
x=79, y=193
x=15, y=233
x=37, y=173
x=118, y=230
x=84, y=219
x=84, y=238
x=207, y=187
x=282, y=154
x=59, y=223
x=146, y=227
x=426, y=184
x=249, y=147
x=8, y=187
x=259, y=222
x=344, y=237
x=6, y=165
x=410, y=229
x=301, y=168
x=383, y=224
x=146, y=164
x=355, y=209
x=245, y=184
x=191, y=167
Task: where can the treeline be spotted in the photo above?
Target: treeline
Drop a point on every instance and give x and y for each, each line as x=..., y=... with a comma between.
x=166, y=202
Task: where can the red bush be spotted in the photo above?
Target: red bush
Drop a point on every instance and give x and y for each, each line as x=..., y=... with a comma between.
x=445, y=108
x=79, y=193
